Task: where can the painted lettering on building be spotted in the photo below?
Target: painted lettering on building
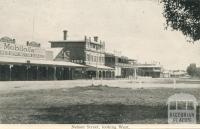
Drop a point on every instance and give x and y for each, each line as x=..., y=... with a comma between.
x=16, y=50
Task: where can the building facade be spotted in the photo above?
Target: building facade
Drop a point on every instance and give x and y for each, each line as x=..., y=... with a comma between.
x=124, y=67
x=31, y=62
x=149, y=70
x=174, y=74
x=88, y=51
x=129, y=68
x=66, y=60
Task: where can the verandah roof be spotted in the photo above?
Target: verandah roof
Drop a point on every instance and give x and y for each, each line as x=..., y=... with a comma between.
x=100, y=67
x=8, y=60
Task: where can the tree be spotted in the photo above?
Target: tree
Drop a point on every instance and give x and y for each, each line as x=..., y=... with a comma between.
x=198, y=72
x=184, y=16
x=192, y=70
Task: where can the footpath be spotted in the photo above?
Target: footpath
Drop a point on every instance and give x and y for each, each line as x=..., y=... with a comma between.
x=126, y=83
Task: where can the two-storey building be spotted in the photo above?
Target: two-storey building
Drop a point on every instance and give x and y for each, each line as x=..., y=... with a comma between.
x=149, y=70
x=87, y=51
x=124, y=67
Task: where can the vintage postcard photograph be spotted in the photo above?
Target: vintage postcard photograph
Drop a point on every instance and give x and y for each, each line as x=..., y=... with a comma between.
x=121, y=62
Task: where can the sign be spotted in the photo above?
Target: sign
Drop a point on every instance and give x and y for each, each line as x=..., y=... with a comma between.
x=182, y=117
x=182, y=109
x=7, y=40
x=33, y=44
x=16, y=50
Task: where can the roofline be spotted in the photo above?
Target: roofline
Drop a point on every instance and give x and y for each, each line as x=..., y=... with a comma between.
x=66, y=41
x=74, y=41
x=149, y=65
x=132, y=60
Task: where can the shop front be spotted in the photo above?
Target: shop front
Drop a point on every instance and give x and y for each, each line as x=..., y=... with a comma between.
x=21, y=63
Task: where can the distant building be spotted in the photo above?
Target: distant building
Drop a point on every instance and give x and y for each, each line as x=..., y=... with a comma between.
x=87, y=51
x=178, y=74
x=174, y=74
x=166, y=74
x=149, y=70
x=124, y=67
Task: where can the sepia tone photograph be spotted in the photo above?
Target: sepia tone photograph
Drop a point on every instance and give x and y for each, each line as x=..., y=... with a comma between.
x=99, y=62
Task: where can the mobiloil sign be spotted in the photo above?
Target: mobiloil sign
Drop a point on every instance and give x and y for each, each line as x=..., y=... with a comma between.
x=14, y=47
x=15, y=50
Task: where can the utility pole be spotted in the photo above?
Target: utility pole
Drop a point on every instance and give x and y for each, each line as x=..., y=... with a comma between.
x=97, y=66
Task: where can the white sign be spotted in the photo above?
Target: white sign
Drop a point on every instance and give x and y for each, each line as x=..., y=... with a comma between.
x=16, y=50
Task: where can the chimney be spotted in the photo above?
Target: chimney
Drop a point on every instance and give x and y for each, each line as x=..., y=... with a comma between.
x=65, y=35
x=27, y=43
x=85, y=38
x=14, y=41
x=96, y=38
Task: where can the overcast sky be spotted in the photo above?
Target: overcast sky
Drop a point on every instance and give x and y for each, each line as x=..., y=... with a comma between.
x=134, y=27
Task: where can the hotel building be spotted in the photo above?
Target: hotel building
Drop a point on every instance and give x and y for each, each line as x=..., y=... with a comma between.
x=149, y=70
x=88, y=51
x=124, y=67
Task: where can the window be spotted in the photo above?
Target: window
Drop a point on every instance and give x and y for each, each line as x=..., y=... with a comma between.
x=181, y=105
x=173, y=105
x=190, y=105
x=88, y=45
x=80, y=61
x=92, y=58
x=87, y=57
x=95, y=58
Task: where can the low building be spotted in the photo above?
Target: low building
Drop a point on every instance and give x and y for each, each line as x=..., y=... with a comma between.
x=178, y=74
x=149, y=70
x=87, y=51
x=165, y=74
x=27, y=62
x=174, y=74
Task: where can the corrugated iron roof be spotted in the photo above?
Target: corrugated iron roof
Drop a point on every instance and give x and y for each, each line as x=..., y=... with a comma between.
x=38, y=62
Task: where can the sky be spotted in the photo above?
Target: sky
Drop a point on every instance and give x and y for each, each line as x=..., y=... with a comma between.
x=134, y=27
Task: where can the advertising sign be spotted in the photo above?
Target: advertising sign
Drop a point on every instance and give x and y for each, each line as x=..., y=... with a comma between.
x=16, y=50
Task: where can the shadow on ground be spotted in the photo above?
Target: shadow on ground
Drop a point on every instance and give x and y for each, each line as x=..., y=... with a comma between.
x=102, y=114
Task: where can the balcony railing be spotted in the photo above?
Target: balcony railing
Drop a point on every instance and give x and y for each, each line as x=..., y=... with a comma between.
x=124, y=65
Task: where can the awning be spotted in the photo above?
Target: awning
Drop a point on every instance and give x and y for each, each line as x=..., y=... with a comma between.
x=9, y=60
x=99, y=67
x=148, y=66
